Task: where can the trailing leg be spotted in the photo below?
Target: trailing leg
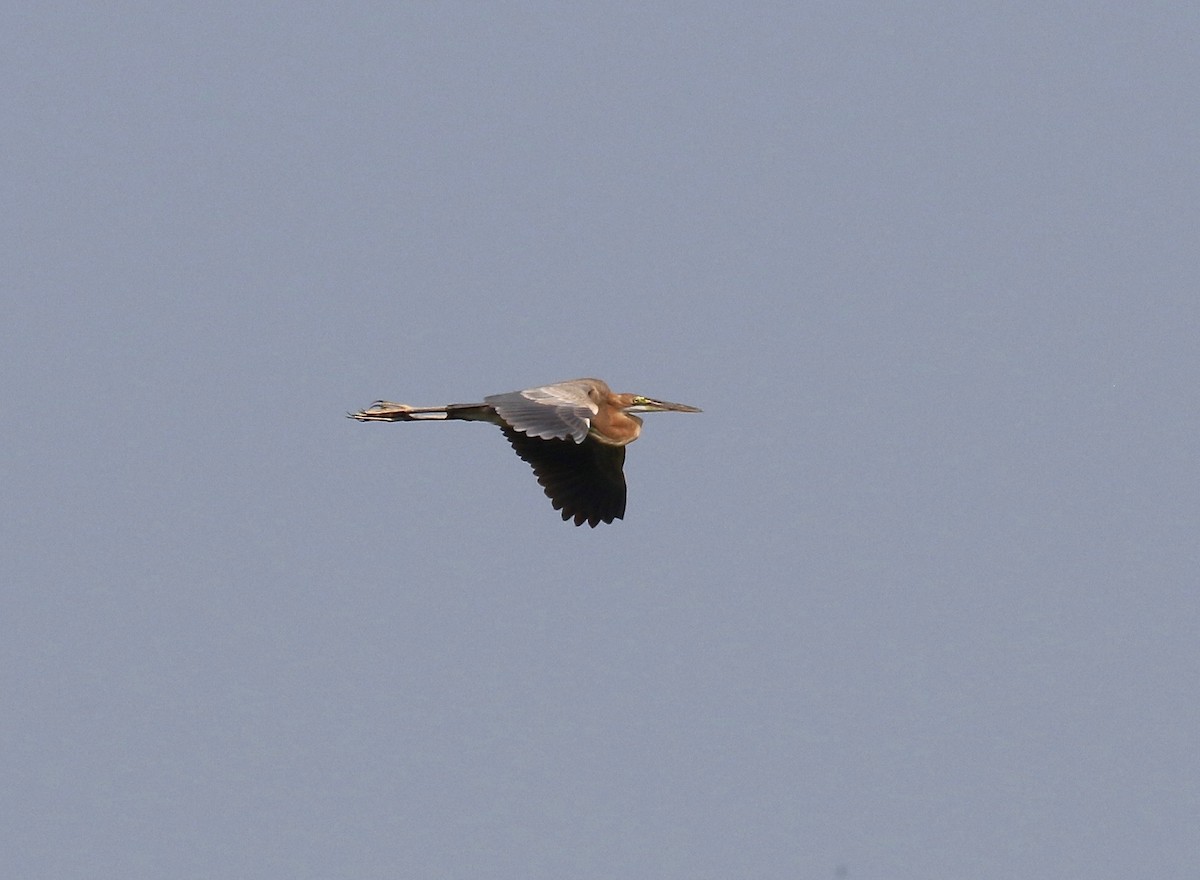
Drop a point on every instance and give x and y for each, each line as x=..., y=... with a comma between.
x=386, y=411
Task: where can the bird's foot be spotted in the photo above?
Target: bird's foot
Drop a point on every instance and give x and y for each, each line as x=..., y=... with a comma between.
x=382, y=411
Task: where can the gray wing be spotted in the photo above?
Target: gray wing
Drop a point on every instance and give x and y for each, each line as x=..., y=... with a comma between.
x=551, y=412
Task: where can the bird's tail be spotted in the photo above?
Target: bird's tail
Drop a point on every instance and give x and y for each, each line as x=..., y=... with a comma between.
x=386, y=411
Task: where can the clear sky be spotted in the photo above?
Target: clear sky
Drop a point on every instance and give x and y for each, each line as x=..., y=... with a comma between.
x=917, y=595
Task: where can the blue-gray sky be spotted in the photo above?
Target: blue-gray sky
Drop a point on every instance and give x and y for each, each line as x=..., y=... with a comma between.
x=917, y=596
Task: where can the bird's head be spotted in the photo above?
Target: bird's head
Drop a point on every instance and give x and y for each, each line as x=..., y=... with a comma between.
x=636, y=403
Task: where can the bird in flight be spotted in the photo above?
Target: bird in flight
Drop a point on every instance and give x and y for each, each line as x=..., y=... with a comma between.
x=573, y=434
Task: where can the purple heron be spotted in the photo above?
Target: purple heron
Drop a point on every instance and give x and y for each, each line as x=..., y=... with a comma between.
x=573, y=434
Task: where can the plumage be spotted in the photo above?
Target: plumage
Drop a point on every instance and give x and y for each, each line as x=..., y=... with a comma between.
x=544, y=415
x=584, y=481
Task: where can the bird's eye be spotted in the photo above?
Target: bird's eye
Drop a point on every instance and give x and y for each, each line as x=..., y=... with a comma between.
x=641, y=400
